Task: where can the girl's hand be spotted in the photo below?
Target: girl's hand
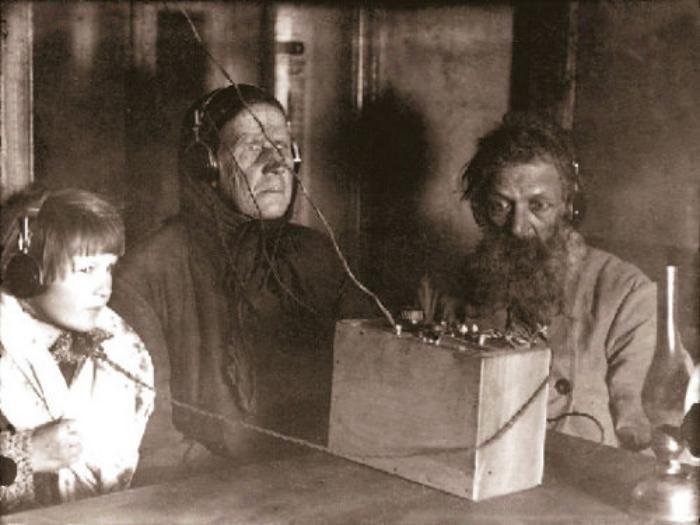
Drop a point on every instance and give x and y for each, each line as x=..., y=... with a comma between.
x=55, y=445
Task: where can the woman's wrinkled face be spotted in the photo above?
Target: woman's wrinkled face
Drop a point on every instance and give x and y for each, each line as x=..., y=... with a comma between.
x=256, y=173
x=75, y=299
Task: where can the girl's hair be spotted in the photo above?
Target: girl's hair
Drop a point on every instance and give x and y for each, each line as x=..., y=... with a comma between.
x=62, y=224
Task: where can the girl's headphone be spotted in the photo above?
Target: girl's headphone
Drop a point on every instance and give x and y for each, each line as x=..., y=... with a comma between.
x=23, y=276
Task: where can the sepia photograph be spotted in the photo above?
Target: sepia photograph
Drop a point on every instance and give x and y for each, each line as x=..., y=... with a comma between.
x=364, y=261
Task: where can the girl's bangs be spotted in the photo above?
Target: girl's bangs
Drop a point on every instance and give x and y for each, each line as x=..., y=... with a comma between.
x=91, y=238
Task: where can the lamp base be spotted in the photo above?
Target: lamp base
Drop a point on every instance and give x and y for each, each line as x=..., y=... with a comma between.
x=673, y=498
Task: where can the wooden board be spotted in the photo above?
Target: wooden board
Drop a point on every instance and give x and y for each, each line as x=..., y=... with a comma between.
x=422, y=411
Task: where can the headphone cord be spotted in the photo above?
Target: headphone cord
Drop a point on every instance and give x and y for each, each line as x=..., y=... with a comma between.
x=385, y=311
x=500, y=431
x=270, y=262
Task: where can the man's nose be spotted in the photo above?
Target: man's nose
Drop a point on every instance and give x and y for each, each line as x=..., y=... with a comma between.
x=521, y=226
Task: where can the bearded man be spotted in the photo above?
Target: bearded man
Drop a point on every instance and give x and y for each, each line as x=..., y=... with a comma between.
x=532, y=270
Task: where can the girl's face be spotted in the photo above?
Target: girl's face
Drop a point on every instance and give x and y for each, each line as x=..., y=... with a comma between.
x=74, y=300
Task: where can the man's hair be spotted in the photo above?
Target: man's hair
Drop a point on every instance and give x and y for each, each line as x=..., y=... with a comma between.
x=520, y=138
x=62, y=223
x=217, y=108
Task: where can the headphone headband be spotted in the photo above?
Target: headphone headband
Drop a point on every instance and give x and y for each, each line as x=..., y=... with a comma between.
x=207, y=117
x=24, y=235
x=200, y=113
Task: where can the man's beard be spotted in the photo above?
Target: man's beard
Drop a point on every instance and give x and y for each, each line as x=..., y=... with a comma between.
x=524, y=276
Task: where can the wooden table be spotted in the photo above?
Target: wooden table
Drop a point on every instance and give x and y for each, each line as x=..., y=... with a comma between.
x=583, y=484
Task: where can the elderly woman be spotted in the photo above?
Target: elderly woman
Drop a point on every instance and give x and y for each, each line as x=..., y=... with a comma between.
x=240, y=301
x=75, y=380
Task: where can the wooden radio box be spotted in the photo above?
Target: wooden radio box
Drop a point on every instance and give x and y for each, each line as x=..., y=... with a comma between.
x=446, y=416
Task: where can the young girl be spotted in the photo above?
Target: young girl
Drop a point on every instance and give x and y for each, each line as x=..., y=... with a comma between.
x=75, y=380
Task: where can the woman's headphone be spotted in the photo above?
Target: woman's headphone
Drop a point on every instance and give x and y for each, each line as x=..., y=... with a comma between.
x=199, y=157
x=23, y=276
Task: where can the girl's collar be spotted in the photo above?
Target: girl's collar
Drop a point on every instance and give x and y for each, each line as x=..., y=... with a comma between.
x=19, y=322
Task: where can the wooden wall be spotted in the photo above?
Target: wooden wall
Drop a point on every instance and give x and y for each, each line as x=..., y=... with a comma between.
x=441, y=80
x=320, y=101
x=79, y=73
x=112, y=81
x=637, y=124
x=16, y=100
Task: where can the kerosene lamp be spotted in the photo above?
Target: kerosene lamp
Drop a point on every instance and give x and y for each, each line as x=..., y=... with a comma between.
x=670, y=493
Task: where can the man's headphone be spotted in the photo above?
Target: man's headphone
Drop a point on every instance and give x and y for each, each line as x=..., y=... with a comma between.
x=577, y=199
x=199, y=157
x=23, y=276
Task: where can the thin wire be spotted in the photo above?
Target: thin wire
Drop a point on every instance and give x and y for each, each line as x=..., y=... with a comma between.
x=342, y=258
x=345, y=265
x=270, y=262
x=268, y=258
x=232, y=263
x=39, y=392
x=246, y=106
x=100, y=354
x=576, y=413
x=485, y=443
x=318, y=211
